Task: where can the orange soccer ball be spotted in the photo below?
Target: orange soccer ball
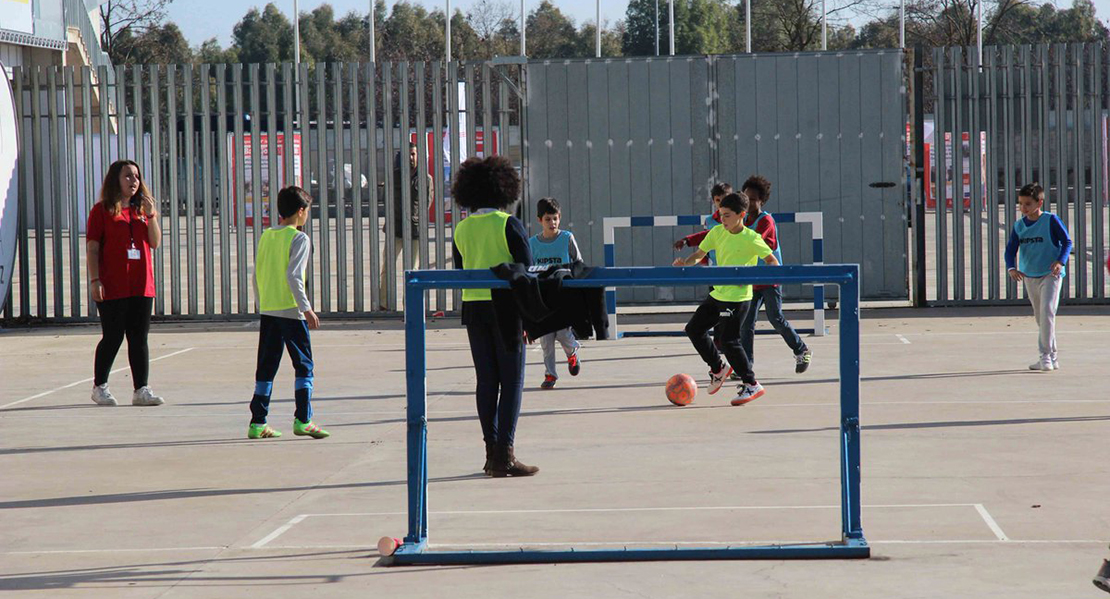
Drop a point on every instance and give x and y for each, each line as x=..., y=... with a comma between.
x=681, y=389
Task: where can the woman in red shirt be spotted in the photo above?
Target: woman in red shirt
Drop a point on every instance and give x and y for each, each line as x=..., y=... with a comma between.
x=123, y=227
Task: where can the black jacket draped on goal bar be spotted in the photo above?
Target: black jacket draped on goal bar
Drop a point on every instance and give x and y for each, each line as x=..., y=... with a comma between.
x=545, y=306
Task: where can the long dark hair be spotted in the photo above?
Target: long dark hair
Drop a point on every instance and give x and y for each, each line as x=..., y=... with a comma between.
x=111, y=195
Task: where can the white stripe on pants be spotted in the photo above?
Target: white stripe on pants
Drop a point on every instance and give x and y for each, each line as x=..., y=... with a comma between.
x=1044, y=294
x=565, y=337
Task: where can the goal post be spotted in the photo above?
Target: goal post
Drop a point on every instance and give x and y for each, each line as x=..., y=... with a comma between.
x=416, y=548
x=611, y=223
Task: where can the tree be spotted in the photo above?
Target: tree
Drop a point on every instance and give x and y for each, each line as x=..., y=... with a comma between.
x=263, y=37
x=161, y=44
x=121, y=21
x=325, y=40
x=210, y=52
x=411, y=34
x=494, y=26
x=551, y=34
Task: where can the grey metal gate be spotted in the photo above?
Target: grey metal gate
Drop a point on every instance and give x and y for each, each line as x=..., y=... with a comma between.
x=650, y=136
x=1022, y=114
x=215, y=142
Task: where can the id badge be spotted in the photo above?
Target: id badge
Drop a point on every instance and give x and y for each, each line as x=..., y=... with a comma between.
x=133, y=254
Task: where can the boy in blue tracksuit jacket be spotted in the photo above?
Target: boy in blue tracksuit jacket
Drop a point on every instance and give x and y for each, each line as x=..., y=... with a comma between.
x=1040, y=245
x=554, y=246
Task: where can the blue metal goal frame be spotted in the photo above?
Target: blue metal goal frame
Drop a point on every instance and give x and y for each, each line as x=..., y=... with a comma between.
x=611, y=223
x=852, y=544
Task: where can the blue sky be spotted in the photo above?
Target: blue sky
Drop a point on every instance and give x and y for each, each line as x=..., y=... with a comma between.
x=198, y=20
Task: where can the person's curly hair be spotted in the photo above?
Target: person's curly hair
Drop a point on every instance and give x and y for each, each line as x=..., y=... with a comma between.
x=486, y=183
x=760, y=185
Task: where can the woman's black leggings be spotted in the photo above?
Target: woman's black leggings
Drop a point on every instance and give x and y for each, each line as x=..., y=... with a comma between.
x=126, y=317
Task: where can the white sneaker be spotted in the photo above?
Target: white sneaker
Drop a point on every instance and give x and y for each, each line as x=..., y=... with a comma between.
x=101, y=396
x=746, y=393
x=716, y=379
x=143, y=396
x=1055, y=364
x=1042, y=365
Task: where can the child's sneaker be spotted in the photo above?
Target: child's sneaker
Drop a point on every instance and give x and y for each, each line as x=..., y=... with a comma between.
x=262, y=431
x=144, y=396
x=801, y=361
x=746, y=393
x=716, y=379
x=1102, y=579
x=1055, y=364
x=573, y=365
x=308, y=429
x=101, y=396
x=1042, y=365
x=548, y=382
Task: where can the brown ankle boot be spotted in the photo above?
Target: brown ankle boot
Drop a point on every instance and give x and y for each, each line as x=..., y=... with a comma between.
x=505, y=464
x=490, y=451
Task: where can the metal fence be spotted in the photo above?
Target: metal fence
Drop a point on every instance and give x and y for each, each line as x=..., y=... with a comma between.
x=215, y=142
x=1019, y=115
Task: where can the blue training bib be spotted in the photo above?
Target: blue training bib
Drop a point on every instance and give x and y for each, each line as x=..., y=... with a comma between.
x=546, y=253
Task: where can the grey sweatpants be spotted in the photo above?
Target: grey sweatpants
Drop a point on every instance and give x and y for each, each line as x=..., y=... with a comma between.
x=565, y=337
x=1044, y=294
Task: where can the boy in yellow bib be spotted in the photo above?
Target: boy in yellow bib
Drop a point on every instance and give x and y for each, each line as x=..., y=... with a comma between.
x=286, y=315
x=735, y=245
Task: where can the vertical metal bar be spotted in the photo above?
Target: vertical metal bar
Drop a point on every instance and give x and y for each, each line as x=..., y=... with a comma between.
x=90, y=177
x=1060, y=52
x=225, y=191
x=422, y=191
x=471, y=115
x=487, y=111
x=157, y=176
x=390, y=268
x=921, y=183
x=137, y=128
x=406, y=169
x=207, y=167
x=40, y=193
x=959, y=292
x=356, y=184
x=421, y=167
x=26, y=150
x=175, y=199
x=939, y=143
x=306, y=169
x=975, y=211
x=992, y=150
x=58, y=192
x=849, y=405
x=273, y=184
x=1043, y=147
x=1098, y=171
x=190, y=193
x=453, y=122
x=437, y=177
x=371, y=90
x=289, y=174
x=417, y=413
x=322, y=186
x=1079, y=118
x=1009, y=138
x=257, y=212
x=339, y=137
x=121, y=112
x=73, y=223
x=239, y=205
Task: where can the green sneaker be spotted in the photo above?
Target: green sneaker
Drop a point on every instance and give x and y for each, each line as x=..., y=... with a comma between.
x=309, y=429
x=262, y=431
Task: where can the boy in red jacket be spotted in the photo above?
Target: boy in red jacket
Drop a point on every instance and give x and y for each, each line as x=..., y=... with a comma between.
x=758, y=190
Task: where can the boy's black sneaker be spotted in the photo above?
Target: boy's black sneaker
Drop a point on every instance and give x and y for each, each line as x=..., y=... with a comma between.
x=801, y=361
x=548, y=382
x=573, y=365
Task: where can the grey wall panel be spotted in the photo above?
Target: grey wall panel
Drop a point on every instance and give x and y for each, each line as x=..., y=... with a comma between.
x=578, y=198
x=639, y=200
x=620, y=158
x=894, y=215
x=599, y=151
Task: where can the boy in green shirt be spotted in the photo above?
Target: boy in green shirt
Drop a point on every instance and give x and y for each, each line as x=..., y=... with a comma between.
x=286, y=315
x=735, y=245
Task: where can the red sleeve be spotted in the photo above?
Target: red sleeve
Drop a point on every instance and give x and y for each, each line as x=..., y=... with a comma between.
x=94, y=229
x=766, y=228
x=693, y=241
